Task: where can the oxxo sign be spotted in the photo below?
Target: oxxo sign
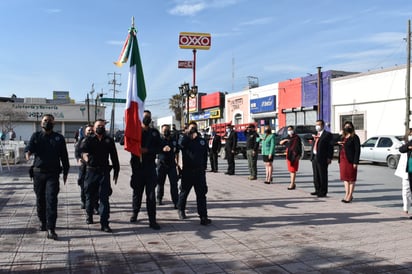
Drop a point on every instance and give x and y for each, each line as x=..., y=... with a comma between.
x=193, y=40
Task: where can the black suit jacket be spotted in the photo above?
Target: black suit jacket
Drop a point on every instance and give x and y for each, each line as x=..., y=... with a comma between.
x=231, y=141
x=324, y=148
x=352, y=149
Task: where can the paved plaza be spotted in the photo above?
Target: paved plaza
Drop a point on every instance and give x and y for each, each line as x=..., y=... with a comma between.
x=257, y=228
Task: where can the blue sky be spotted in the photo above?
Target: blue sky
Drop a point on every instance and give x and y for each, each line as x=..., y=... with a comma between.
x=68, y=45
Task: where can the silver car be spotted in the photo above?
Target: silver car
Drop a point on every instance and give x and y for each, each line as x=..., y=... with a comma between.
x=382, y=149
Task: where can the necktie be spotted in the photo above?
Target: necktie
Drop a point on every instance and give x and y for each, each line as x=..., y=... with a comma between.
x=315, y=147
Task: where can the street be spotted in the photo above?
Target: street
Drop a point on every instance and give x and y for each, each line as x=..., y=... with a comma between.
x=256, y=228
x=377, y=185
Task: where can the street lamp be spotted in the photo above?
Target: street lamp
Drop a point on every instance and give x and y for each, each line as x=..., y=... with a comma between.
x=98, y=96
x=187, y=92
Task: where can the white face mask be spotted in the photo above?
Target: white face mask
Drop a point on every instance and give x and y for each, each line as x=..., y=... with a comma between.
x=228, y=130
x=318, y=128
x=290, y=132
x=409, y=137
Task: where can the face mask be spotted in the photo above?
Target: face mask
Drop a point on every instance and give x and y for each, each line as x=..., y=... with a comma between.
x=167, y=133
x=228, y=130
x=268, y=131
x=147, y=120
x=290, y=132
x=100, y=130
x=409, y=137
x=348, y=129
x=318, y=128
x=48, y=126
x=193, y=130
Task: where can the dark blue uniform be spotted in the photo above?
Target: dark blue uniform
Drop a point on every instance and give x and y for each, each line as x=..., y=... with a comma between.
x=144, y=174
x=194, y=156
x=49, y=150
x=97, y=178
x=167, y=167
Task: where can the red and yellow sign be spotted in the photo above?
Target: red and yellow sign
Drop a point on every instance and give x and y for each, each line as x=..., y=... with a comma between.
x=193, y=40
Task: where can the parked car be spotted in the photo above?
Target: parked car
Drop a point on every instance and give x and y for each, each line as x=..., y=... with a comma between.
x=382, y=149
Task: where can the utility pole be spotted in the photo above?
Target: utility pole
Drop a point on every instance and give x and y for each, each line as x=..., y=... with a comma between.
x=320, y=94
x=114, y=83
x=408, y=80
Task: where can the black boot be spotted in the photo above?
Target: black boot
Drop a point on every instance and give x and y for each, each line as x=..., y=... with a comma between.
x=205, y=221
x=51, y=234
x=182, y=214
x=89, y=219
x=133, y=219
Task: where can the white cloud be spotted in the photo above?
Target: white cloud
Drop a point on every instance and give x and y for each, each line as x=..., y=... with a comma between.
x=187, y=9
x=51, y=11
x=258, y=21
x=192, y=7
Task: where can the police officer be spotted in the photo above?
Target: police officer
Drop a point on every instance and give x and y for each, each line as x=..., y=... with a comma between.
x=167, y=166
x=215, y=144
x=96, y=150
x=194, y=153
x=82, y=166
x=144, y=172
x=230, y=148
x=50, y=150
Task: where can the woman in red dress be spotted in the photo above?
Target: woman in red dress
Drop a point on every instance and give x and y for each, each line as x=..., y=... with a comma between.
x=293, y=153
x=349, y=152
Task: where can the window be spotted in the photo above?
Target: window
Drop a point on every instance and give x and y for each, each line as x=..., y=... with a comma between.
x=385, y=142
x=371, y=142
x=356, y=119
x=238, y=119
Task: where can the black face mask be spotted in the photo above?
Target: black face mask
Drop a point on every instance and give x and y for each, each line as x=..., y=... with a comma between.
x=147, y=120
x=100, y=130
x=268, y=131
x=348, y=129
x=193, y=130
x=167, y=133
x=48, y=126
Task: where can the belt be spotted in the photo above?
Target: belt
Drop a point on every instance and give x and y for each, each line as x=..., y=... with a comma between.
x=44, y=170
x=98, y=168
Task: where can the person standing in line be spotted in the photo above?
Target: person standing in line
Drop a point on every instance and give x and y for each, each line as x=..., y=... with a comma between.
x=230, y=149
x=194, y=156
x=404, y=170
x=215, y=144
x=96, y=150
x=349, y=153
x=293, y=145
x=82, y=166
x=167, y=166
x=144, y=177
x=321, y=157
x=252, y=147
x=268, y=153
x=49, y=149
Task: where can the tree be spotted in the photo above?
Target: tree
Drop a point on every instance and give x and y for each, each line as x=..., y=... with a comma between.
x=8, y=115
x=176, y=105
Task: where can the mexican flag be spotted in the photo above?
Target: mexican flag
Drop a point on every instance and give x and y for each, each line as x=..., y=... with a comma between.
x=136, y=94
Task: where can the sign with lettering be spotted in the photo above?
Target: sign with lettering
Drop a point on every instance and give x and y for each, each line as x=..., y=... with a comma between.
x=194, y=40
x=264, y=104
x=185, y=64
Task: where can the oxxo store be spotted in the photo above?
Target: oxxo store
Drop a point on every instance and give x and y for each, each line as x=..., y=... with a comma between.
x=211, y=109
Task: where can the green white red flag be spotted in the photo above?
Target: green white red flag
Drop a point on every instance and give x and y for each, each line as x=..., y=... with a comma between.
x=136, y=94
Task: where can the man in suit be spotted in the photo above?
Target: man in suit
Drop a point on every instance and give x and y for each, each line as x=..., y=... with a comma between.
x=230, y=149
x=322, y=154
x=214, y=148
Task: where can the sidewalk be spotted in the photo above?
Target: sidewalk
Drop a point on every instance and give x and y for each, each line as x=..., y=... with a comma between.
x=256, y=228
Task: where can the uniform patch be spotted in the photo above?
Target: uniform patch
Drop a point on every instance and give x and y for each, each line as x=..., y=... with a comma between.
x=107, y=140
x=57, y=138
x=174, y=143
x=202, y=142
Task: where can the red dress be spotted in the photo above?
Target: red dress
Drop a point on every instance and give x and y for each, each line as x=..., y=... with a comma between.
x=347, y=171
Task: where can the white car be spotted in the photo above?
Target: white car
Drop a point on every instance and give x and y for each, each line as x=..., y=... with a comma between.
x=382, y=149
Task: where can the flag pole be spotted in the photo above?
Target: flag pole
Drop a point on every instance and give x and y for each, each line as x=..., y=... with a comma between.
x=132, y=21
